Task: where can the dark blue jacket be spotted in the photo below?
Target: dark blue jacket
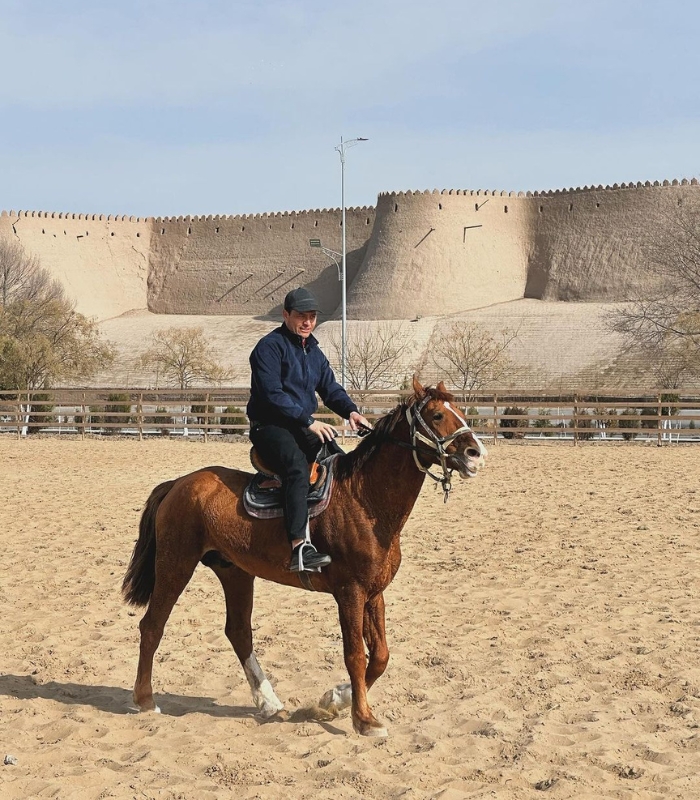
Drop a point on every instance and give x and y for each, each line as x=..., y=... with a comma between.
x=286, y=374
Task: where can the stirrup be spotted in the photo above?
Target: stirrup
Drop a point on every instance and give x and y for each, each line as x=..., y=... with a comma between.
x=305, y=558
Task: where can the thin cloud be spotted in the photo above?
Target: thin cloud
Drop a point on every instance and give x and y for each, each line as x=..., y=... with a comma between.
x=174, y=107
x=167, y=58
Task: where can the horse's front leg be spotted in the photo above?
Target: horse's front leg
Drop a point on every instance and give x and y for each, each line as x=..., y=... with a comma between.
x=351, y=610
x=374, y=629
x=374, y=632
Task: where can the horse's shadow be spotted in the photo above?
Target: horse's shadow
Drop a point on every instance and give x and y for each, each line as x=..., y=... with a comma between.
x=113, y=699
x=117, y=700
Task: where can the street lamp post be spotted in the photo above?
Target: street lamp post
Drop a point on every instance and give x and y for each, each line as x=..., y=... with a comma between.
x=330, y=253
x=341, y=148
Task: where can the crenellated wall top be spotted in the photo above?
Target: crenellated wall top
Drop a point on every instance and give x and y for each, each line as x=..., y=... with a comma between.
x=69, y=215
x=266, y=215
x=354, y=209
x=188, y=218
x=542, y=193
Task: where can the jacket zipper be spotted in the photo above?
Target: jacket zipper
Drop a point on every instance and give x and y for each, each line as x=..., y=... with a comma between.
x=305, y=365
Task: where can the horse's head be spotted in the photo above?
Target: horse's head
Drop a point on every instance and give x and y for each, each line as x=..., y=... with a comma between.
x=441, y=433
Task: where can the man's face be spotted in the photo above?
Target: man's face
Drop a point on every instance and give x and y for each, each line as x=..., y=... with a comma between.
x=300, y=322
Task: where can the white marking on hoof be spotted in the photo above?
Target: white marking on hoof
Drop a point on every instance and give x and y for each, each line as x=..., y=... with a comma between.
x=338, y=698
x=264, y=697
x=137, y=710
x=267, y=701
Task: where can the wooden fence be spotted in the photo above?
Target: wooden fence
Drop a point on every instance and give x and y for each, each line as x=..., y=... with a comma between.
x=658, y=416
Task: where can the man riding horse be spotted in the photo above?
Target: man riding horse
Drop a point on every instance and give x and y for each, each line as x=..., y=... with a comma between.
x=288, y=368
x=200, y=518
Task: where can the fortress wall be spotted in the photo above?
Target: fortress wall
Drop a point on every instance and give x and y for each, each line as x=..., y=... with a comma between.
x=191, y=265
x=589, y=243
x=246, y=264
x=438, y=253
x=416, y=254
x=102, y=262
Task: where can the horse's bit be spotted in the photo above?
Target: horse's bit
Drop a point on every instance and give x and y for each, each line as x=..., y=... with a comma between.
x=434, y=442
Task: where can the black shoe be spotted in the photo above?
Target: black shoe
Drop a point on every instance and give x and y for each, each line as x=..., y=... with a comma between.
x=305, y=558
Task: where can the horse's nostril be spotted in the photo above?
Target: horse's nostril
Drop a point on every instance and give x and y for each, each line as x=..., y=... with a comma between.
x=472, y=452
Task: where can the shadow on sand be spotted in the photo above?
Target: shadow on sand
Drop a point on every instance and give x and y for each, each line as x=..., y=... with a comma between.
x=117, y=700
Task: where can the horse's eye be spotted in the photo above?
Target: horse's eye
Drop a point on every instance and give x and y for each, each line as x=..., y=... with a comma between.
x=437, y=416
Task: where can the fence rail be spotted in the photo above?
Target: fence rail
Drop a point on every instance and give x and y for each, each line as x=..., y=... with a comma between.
x=658, y=416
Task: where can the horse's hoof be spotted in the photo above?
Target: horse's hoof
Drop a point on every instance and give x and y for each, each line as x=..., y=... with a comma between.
x=154, y=710
x=370, y=729
x=380, y=733
x=337, y=699
x=268, y=710
x=145, y=707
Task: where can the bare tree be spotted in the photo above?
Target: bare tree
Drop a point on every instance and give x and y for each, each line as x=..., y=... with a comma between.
x=667, y=312
x=470, y=357
x=184, y=357
x=43, y=340
x=671, y=364
x=47, y=343
x=23, y=278
x=661, y=322
x=374, y=356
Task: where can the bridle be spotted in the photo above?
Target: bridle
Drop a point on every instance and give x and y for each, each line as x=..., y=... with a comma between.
x=435, y=442
x=422, y=434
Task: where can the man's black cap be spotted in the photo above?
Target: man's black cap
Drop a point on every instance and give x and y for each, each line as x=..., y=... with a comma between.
x=300, y=299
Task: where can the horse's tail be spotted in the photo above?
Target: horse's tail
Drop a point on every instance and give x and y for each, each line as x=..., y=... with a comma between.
x=140, y=577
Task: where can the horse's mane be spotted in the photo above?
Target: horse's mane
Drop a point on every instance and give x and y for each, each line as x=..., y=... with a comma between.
x=351, y=463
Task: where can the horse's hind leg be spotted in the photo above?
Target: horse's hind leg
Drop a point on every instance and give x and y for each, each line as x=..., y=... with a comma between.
x=238, y=590
x=171, y=579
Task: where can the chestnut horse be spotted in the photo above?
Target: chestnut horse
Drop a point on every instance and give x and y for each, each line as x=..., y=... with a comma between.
x=200, y=517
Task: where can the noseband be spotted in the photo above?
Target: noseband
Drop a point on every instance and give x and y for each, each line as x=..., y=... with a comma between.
x=435, y=442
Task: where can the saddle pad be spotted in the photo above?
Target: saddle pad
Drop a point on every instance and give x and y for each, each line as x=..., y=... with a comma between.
x=267, y=503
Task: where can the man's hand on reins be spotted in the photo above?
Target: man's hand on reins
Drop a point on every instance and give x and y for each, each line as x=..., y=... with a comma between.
x=324, y=431
x=357, y=421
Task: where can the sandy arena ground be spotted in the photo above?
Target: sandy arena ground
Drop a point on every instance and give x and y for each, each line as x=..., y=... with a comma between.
x=544, y=632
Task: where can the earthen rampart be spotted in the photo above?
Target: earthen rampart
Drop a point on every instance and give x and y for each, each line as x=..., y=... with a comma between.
x=246, y=264
x=102, y=261
x=238, y=264
x=590, y=245
x=439, y=252
x=417, y=254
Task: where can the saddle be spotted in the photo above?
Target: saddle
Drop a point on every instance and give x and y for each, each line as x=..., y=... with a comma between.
x=262, y=497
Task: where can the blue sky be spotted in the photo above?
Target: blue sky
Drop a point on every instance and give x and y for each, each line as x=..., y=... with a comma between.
x=213, y=107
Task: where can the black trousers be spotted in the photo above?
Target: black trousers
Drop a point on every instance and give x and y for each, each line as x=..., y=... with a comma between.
x=289, y=451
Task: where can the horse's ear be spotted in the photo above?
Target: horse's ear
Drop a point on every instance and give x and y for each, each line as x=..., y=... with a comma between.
x=417, y=387
x=442, y=388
